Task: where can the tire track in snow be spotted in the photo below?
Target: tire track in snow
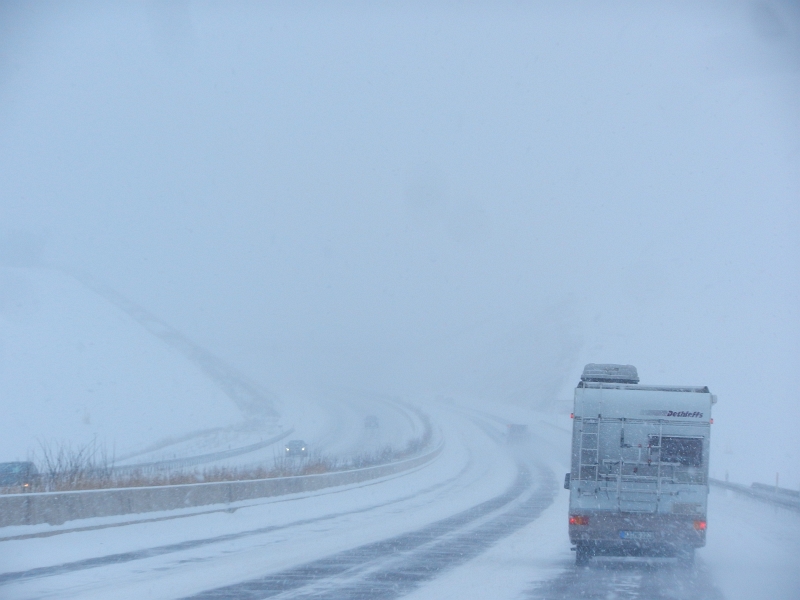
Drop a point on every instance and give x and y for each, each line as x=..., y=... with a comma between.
x=393, y=567
x=626, y=580
x=123, y=557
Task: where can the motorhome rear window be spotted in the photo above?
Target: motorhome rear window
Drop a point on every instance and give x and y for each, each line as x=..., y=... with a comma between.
x=686, y=451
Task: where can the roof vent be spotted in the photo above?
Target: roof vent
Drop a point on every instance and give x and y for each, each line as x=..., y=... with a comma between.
x=610, y=373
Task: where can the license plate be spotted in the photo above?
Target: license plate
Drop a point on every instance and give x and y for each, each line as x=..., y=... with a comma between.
x=636, y=535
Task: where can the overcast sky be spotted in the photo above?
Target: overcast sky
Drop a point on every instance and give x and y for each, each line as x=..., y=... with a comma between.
x=449, y=199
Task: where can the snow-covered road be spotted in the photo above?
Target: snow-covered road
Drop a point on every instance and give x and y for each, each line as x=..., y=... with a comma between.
x=485, y=520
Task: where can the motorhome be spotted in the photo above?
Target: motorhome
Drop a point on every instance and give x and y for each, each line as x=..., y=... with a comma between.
x=639, y=476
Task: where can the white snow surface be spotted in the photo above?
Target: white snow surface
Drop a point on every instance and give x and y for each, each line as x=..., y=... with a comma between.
x=74, y=368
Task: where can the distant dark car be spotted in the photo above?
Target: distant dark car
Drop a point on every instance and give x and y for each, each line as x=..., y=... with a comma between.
x=296, y=448
x=517, y=432
x=371, y=422
x=18, y=474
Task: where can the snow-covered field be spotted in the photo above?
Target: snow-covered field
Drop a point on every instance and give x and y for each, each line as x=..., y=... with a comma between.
x=74, y=368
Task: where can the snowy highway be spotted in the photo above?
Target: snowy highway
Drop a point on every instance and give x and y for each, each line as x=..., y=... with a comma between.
x=485, y=519
x=304, y=300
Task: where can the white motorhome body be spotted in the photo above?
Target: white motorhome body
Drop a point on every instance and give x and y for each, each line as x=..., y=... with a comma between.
x=639, y=477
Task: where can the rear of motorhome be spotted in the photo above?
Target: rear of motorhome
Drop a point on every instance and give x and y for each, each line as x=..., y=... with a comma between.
x=639, y=477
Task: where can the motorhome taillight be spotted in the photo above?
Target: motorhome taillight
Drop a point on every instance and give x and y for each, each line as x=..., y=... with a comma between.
x=700, y=525
x=578, y=520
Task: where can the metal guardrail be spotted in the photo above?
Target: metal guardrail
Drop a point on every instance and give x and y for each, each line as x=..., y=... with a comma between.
x=778, y=496
x=56, y=508
x=778, y=491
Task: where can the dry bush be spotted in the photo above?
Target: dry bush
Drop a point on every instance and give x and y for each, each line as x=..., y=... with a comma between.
x=65, y=467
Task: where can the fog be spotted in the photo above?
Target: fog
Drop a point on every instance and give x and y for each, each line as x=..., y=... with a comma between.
x=450, y=200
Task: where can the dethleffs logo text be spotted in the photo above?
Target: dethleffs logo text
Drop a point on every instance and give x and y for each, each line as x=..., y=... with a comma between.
x=674, y=413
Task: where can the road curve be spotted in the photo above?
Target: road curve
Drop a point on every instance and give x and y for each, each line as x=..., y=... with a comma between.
x=394, y=566
x=416, y=511
x=486, y=519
